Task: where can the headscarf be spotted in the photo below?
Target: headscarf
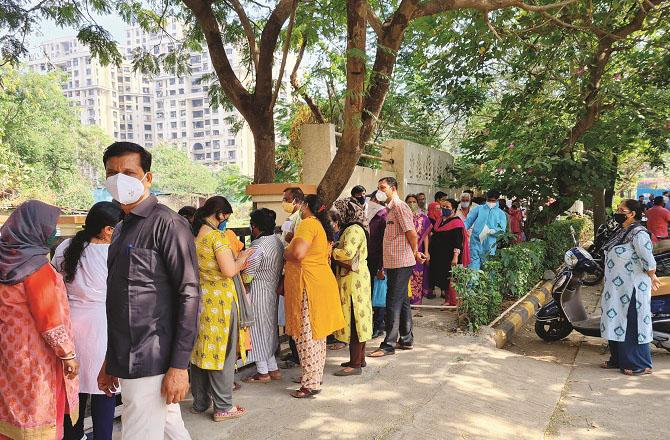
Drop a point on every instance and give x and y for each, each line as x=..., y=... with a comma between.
x=351, y=213
x=23, y=240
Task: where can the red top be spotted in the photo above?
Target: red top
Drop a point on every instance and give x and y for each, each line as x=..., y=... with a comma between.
x=658, y=218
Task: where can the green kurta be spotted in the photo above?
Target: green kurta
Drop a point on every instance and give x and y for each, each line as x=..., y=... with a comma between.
x=355, y=286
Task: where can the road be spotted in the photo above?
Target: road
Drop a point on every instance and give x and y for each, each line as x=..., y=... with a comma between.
x=459, y=386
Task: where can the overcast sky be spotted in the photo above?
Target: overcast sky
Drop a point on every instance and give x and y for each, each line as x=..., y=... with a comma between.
x=49, y=30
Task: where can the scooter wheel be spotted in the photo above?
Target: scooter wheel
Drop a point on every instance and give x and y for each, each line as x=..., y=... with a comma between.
x=553, y=330
x=593, y=279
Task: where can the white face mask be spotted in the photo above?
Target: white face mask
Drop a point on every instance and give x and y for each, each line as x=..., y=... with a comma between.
x=125, y=189
x=491, y=204
x=381, y=196
x=465, y=204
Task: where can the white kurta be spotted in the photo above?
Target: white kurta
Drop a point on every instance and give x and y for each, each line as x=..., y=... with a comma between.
x=626, y=272
x=87, y=294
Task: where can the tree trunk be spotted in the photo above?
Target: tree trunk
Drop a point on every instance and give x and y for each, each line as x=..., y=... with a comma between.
x=341, y=168
x=263, y=130
x=599, y=203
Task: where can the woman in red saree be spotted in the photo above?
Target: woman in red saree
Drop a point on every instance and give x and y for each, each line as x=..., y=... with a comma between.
x=39, y=381
x=448, y=247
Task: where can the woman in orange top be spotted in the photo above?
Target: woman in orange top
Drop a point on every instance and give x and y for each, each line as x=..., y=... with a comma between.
x=312, y=298
x=38, y=364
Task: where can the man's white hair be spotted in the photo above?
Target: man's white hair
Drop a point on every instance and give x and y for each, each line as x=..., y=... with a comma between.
x=466, y=195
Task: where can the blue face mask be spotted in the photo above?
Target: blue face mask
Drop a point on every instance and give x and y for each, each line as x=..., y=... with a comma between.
x=446, y=212
x=223, y=225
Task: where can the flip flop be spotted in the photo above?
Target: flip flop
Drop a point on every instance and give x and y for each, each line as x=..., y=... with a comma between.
x=381, y=353
x=336, y=346
x=304, y=393
x=233, y=413
x=257, y=378
x=403, y=347
x=641, y=372
x=275, y=375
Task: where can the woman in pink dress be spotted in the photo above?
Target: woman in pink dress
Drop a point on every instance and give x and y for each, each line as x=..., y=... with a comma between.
x=423, y=226
x=39, y=383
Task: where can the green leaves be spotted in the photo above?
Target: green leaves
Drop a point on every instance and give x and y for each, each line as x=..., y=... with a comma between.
x=175, y=172
x=101, y=44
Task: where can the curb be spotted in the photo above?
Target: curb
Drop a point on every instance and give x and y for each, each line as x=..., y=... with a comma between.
x=511, y=323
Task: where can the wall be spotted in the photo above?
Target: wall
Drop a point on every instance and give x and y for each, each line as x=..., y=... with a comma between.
x=417, y=167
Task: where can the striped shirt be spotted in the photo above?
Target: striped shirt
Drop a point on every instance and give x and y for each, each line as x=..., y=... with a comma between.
x=397, y=250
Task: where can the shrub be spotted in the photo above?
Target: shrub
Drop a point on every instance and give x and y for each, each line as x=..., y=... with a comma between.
x=520, y=266
x=558, y=238
x=480, y=298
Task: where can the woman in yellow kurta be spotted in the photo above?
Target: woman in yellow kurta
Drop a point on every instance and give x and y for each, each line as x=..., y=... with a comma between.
x=354, y=285
x=313, y=308
x=219, y=338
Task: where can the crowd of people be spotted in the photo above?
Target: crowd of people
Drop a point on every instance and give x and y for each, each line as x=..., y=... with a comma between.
x=147, y=302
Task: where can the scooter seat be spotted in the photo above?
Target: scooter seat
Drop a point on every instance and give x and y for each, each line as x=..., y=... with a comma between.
x=664, y=289
x=662, y=246
x=588, y=327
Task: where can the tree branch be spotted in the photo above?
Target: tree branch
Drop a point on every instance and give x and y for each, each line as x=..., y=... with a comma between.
x=433, y=7
x=268, y=45
x=231, y=85
x=373, y=20
x=296, y=86
x=248, y=29
x=285, y=49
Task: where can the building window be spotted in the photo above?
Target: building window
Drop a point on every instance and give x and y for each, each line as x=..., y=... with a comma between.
x=230, y=142
x=173, y=114
x=173, y=125
x=197, y=146
x=198, y=134
x=198, y=114
x=194, y=102
x=147, y=127
x=217, y=155
x=231, y=155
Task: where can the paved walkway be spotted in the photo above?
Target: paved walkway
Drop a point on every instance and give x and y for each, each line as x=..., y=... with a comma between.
x=455, y=386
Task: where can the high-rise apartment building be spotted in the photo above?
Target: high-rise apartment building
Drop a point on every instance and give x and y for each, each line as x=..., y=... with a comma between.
x=165, y=109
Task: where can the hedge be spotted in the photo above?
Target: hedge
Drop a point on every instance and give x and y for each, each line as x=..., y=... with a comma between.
x=559, y=239
x=511, y=273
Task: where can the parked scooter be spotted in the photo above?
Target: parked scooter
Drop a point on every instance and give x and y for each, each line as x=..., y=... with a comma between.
x=597, y=250
x=565, y=312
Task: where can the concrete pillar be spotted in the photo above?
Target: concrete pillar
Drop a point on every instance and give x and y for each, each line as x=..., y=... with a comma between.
x=318, y=146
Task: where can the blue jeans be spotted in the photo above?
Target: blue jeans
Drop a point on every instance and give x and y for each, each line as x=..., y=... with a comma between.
x=102, y=412
x=398, y=314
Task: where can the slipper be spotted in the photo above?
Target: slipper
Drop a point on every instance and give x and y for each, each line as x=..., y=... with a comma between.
x=640, y=372
x=236, y=386
x=347, y=364
x=233, y=413
x=348, y=371
x=304, y=393
x=275, y=375
x=380, y=353
x=607, y=365
x=403, y=347
x=336, y=346
x=257, y=378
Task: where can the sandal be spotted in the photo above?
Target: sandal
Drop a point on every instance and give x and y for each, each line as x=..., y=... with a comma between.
x=336, y=346
x=304, y=393
x=348, y=371
x=275, y=375
x=403, y=347
x=380, y=353
x=236, y=386
x=233, y=413
x=639, y=372
x=257, y=378
x=608, y=365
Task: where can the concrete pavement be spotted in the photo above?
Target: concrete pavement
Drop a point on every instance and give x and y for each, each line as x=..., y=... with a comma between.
x=457, y=386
